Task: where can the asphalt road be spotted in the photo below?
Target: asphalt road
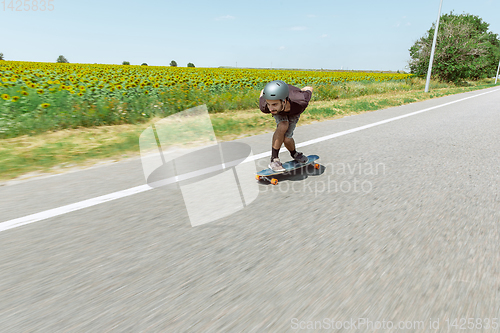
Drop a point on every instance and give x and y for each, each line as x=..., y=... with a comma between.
x=398, y=229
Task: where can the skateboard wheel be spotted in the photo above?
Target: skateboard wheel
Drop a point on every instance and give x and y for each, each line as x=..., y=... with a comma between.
x=257, y=177
x=274, y=181
x=316, y=166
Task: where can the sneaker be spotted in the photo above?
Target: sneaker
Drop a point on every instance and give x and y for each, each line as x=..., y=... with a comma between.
x=275, y=165
x=301, y=158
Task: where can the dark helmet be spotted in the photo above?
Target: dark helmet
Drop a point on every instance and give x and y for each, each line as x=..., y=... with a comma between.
x=275, y=90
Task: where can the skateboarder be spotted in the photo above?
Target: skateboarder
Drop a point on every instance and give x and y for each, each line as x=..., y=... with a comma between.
x=285, y=102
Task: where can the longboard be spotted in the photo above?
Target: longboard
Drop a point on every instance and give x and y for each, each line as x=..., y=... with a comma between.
x=267, y=174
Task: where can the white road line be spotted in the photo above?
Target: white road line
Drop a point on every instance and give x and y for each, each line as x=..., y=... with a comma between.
x=139, y=189
x=71, y=208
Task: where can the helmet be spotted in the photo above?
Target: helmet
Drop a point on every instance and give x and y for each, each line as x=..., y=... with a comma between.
x=275, y=90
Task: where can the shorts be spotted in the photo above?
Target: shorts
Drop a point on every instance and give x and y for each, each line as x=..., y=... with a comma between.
x=292, y=123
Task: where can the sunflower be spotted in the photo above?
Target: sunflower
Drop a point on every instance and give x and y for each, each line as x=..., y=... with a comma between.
x=45, y=105
x=6, y=97
x=40, y=91
x=24, y=93
x=15, y=98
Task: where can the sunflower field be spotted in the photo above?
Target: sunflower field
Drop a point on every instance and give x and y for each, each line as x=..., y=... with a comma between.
x=37, y=97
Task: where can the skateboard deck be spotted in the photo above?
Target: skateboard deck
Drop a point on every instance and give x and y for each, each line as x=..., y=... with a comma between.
x=289, y=166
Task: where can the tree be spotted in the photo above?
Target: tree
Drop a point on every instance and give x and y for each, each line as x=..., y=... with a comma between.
x=190, y=64
x=1, y=56
x=62, y=60
x=465, y=49
x=125, y=63
x=144, y=64
x=173, y=63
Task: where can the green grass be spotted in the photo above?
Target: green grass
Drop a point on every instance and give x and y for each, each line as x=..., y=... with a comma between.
x=83, y=146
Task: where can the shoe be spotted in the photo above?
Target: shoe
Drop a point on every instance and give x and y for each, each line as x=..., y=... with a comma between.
x=276, y=166
x=301, y=158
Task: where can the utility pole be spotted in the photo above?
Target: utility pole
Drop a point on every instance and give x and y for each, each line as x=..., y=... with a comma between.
x=433, y=49
x=496, y=77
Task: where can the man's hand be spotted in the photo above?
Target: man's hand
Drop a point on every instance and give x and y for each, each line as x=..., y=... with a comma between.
x=307, y=88
x=261, y=93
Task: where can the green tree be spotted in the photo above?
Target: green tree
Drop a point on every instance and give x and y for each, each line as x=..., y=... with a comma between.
x=173, y=63
x=125, y=63
x=62, y=60
x=144, y=64
x=190, y=64
x=465, y=49
x=1, y=56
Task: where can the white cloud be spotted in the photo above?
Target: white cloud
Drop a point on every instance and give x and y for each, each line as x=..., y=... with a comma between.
x=282, y=48
x=324, y=35
x=223, y=18
x=311, y=16
x=298, y=28
x=401, y=24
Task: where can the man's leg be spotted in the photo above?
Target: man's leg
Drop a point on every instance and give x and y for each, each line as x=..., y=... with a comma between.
x=289, y=144
x=279, y=134
x=289, y=141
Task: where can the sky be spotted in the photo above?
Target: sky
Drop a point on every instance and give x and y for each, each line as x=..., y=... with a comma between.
x=313, y=34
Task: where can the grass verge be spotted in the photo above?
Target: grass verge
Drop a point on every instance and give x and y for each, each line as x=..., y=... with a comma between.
x=54, y=152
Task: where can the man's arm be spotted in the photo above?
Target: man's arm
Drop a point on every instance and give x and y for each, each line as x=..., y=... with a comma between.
x=262, y=103
x=302, y=96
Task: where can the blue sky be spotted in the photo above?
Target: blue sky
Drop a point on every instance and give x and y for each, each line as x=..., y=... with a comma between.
x=355, y=34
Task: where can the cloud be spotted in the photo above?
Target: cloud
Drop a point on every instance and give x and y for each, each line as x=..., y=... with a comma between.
x=311, y=16
x=400, y=24
x=298, y=28
x=224, y=18
x=282, y=48
x=324, y=35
